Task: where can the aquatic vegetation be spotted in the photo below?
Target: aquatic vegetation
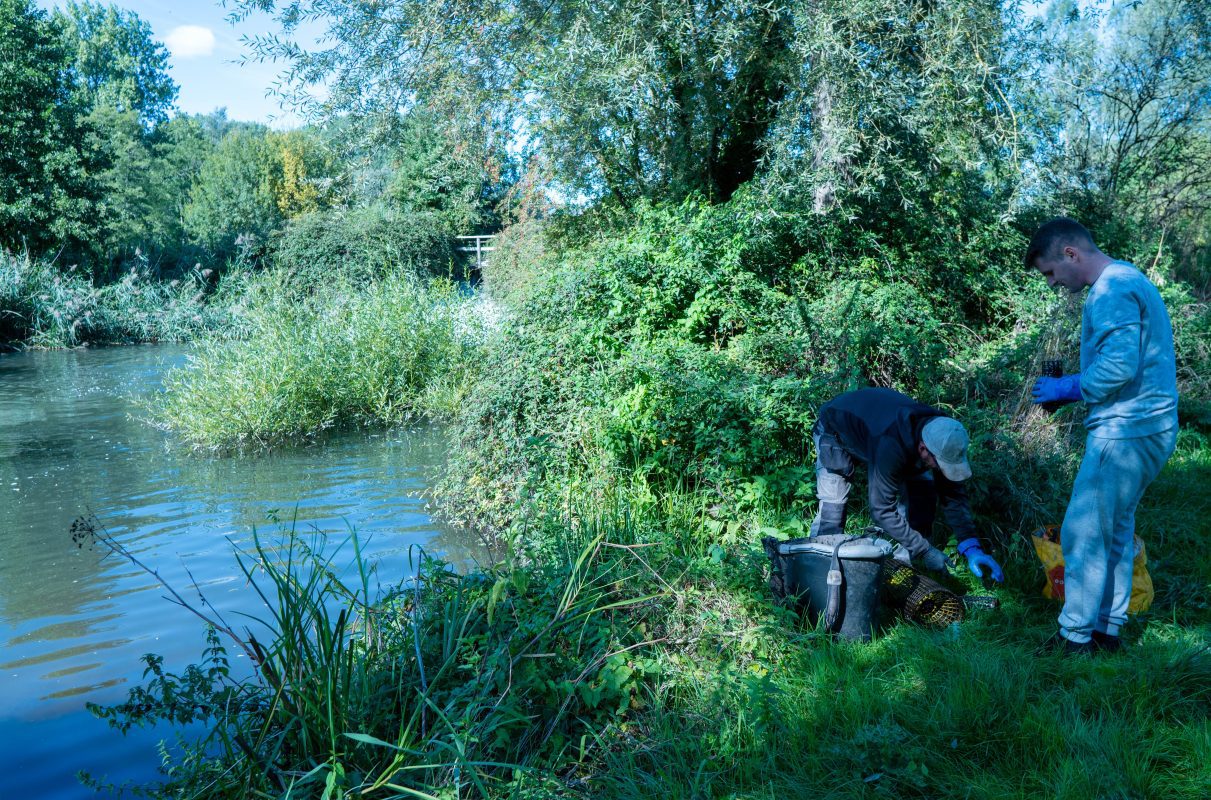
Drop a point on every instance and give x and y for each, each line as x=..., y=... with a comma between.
x=395, y=350
x=45, y=306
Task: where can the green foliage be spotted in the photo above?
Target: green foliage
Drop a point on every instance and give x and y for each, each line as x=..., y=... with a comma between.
x=1128, y=87
x=80, y=95
x=676, y=98
x=117, y=62
x=42, y=305
x=438, y=170
x=132, y=202
x=696, y=343
x=252, y=184
x=363, y=245
x=233, y=195
x=346, y=355
x=46, y=197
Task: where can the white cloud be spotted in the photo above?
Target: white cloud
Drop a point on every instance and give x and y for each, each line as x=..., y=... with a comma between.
x=190, y=41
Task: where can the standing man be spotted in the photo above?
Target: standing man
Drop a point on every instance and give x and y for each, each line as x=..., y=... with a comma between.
x=1128, y=380
x=916, y=458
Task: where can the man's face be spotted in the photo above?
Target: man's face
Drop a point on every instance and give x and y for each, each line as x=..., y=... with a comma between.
x=1062, y=268
x=928, y=458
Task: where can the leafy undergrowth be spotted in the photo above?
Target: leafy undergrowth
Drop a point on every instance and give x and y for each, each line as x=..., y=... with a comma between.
x=620, y=656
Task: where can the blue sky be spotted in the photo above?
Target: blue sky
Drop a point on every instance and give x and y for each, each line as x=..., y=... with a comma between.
x=205, y=49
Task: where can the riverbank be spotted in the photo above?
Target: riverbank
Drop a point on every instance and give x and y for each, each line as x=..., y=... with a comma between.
x=635, y=424
x=630, y=663
x=47, y=307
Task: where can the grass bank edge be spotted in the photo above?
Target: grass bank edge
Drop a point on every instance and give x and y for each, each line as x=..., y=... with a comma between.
x=630, y=662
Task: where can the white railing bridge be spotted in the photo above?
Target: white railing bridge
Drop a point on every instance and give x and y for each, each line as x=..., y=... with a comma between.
x=479, y=245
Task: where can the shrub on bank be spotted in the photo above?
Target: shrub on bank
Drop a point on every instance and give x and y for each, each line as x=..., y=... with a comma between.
x=363, y=245
x=696, y=344
x=394, y=350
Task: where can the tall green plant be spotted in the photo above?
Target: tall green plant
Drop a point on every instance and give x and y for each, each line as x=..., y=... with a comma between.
x=346, y=355
x=430, y=690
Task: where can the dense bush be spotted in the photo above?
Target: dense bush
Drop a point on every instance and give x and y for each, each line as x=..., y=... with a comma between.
x=363, y=245
x=382, y=354
x=696, y=343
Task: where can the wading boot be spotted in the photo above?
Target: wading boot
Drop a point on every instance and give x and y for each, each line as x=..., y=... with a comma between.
x=830, y=518
x=1059, y=644
x=1106, y=643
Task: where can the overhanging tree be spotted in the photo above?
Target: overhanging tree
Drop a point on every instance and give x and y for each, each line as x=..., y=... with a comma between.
x=668, y=98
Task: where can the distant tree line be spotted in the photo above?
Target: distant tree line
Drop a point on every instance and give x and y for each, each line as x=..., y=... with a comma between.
x=96, y=167
x=865, y=107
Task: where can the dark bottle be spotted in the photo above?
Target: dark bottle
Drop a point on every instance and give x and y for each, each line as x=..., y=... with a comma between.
x=1053, y=368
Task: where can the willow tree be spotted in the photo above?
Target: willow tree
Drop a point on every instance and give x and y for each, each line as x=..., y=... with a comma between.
x=891, y=95
x=1128, y=141
x=664, y=98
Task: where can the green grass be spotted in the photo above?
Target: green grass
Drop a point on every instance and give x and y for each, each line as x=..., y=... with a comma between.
x=615, y=655
x=383, y=354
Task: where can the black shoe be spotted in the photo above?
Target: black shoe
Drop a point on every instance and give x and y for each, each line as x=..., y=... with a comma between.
x=1106, y=643
x=1062, y=645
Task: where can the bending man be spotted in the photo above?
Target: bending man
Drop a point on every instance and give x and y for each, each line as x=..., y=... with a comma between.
x=916, y=458
x=1128, y=380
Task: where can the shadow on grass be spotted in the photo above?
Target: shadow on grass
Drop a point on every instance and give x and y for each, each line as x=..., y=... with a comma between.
x=757, y=707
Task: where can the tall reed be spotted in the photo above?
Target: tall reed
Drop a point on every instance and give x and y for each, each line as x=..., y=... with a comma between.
x=341, y=356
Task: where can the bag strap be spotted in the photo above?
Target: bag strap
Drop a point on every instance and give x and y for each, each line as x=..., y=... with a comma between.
x=835, y=579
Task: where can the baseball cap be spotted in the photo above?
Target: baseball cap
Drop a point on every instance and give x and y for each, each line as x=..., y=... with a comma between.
x=947, y=439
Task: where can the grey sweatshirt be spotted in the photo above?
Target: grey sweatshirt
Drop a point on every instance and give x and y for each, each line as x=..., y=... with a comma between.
x=1128, y=370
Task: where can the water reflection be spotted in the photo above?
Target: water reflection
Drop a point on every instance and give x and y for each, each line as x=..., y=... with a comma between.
x=73, y=623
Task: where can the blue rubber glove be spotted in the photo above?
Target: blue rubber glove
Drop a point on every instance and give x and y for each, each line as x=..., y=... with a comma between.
x=977, y=560
x=1057, y=390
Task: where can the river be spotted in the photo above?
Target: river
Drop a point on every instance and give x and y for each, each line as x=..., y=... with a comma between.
x=74, y=623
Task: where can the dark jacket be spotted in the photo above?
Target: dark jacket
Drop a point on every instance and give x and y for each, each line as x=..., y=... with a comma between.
x=881, y=428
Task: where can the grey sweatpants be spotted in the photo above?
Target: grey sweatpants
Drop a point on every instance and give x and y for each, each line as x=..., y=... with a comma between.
x=1098, y=535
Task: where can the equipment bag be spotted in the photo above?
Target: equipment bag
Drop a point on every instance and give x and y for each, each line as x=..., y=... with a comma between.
x=834, y=578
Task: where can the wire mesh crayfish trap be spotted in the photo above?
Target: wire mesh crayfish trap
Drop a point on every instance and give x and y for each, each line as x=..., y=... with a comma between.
x=919, y=598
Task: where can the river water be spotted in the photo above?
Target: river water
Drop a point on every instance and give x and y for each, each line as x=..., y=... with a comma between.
x=74, y=623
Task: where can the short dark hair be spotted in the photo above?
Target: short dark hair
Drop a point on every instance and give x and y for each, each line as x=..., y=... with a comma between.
x=1054, y=233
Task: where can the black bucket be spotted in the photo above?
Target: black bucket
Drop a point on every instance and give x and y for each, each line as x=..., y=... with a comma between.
x=833, y=576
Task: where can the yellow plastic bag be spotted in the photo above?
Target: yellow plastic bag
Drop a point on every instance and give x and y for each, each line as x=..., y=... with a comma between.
x=1047, y=545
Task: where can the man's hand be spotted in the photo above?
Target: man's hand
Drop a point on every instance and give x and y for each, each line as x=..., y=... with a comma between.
x=935, y=560
x=1057, y=390
x=978, y=560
